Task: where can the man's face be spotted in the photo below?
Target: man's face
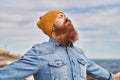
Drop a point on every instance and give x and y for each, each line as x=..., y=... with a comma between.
x=61, y=21
x=64, y=30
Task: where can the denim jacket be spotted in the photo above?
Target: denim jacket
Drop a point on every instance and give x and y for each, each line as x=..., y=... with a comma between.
x=52, y=61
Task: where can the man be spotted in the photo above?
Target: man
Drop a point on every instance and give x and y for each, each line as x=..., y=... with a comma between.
x=57, y=59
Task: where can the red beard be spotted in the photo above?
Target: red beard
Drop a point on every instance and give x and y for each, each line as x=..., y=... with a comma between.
x=66, y=34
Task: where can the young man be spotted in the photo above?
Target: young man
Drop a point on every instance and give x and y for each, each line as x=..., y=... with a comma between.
x=57, y=59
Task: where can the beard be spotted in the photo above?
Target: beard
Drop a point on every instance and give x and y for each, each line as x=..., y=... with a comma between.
x=66, y=34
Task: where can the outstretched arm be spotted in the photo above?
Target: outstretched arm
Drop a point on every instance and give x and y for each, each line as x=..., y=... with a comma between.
x=22, y=68
x=98, y=72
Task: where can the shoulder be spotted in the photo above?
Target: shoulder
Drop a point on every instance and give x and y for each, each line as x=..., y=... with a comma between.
x=79, y=50
x=81, y=53
x=43, y=48
x=44, y=45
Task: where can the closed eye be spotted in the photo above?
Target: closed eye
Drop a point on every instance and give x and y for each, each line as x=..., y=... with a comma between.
x=61, y=16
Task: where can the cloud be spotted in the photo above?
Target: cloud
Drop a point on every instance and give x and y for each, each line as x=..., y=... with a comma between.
x=96, y=21
x=107, y=17
x=100, y=25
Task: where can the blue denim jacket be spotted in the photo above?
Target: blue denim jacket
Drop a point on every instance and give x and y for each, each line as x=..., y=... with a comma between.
x=52, y=61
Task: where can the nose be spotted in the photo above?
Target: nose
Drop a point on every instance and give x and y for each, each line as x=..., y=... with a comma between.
x=65, y=18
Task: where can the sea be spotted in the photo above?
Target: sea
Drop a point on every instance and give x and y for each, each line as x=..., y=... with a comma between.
x=112, y=65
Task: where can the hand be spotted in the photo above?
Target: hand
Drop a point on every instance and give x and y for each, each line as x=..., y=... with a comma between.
x=116, y=76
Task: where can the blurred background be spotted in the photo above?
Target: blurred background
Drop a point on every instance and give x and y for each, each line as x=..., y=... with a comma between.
x=96, y=21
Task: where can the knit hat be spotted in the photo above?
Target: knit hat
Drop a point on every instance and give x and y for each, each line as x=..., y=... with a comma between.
x=46, y=22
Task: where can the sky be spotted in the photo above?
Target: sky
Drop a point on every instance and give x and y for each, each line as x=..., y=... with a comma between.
x=96, y=21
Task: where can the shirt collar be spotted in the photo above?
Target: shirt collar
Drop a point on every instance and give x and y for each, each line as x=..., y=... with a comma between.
x=52, y=40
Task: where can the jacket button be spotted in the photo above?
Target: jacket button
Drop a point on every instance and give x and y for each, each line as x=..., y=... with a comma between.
x=58, y=64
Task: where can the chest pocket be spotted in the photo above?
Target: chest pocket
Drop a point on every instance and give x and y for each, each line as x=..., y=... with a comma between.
x=82, y=65
x=58, y=69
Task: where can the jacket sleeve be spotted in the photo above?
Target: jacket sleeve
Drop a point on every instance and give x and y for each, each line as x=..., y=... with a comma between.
x=22, y=68
x=97, y=71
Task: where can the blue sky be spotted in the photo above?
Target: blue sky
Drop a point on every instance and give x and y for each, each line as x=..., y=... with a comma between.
x=96, y=21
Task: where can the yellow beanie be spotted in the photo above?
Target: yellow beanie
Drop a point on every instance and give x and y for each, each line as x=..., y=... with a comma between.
x=46, y=22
